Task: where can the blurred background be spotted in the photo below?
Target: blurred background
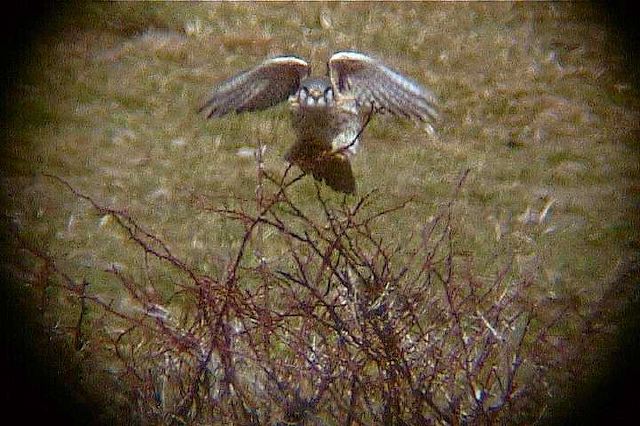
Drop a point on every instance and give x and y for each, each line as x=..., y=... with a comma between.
x=539, y=103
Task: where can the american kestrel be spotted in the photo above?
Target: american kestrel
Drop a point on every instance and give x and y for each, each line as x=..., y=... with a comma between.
x=328, y=112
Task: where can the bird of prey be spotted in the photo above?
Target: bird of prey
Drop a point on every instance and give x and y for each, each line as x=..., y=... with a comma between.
x=328, y=112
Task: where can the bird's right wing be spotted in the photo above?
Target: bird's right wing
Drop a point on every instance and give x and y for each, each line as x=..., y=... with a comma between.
x=268, y=84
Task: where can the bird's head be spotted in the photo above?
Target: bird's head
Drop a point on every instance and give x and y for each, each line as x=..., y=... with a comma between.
x=315, y=93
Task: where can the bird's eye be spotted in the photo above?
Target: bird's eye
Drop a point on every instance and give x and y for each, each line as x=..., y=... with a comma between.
x=328, y=94
x=303, y=93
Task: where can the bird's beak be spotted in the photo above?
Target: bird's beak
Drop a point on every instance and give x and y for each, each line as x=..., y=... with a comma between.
x=316, y=93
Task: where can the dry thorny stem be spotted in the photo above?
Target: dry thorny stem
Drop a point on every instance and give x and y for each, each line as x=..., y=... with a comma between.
x=328, y=323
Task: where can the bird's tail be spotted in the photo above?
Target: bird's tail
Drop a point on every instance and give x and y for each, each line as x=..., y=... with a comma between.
x=332, y=168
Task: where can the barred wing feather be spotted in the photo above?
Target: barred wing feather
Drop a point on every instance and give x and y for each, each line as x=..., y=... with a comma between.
x=266, y=85
x=373, y=84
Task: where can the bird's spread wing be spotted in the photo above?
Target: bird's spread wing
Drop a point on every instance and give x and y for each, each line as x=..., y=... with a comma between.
x=375, y=85
x=271, y=82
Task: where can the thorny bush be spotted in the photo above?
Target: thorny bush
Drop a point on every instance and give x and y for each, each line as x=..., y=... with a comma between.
x=335, y=326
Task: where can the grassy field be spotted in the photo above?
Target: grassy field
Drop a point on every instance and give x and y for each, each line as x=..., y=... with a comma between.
x=536, y=103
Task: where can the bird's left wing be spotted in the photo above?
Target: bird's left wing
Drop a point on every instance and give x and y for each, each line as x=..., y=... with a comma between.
x=375, y=85
x=268, y=84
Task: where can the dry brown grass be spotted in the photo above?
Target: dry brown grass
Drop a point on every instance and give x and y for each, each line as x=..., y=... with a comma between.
x=536, y=103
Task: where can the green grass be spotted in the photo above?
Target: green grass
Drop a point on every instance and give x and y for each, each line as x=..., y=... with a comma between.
x=535, y=101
